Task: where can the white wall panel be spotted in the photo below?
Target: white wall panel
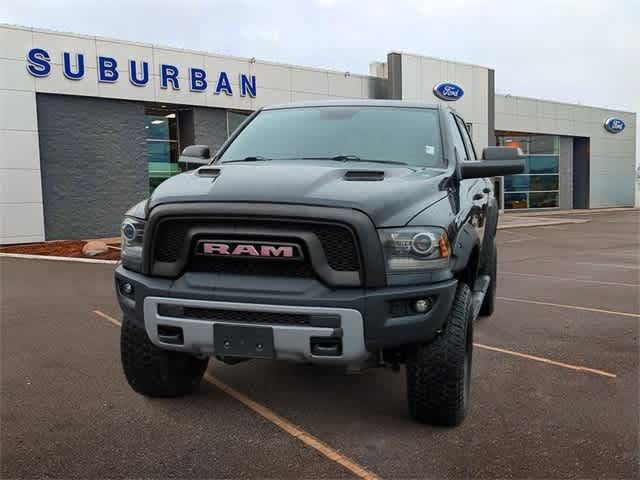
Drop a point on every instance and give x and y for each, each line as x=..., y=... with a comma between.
x=269, y=96
x=18, y=110
x=15, y=42
x=14, y=75
x=19, y=149
x=308, y=97
x=272, y=76
x=309, y=81
x=341, y=86
x=21, y=222
x=20, y=186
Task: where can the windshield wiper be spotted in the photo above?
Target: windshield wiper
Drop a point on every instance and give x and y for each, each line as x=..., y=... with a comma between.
x=253, y=158
x=353, y=158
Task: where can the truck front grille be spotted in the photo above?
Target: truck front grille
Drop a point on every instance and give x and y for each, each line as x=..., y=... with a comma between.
x=338, y=244
x=253, y=268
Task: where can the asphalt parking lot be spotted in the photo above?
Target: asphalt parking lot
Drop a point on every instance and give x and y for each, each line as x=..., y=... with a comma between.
x=554, y=392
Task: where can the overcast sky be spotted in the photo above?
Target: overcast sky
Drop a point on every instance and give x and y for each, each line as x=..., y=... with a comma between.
x=583, y=51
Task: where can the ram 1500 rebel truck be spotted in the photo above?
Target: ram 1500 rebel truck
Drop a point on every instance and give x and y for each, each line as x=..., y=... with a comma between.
x=355, y=233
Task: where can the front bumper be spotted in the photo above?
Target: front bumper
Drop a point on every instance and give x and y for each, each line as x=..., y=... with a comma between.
x=290, y=342
x=366, y=320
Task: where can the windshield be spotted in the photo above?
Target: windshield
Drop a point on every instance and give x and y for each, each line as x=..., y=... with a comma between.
x=381, y=134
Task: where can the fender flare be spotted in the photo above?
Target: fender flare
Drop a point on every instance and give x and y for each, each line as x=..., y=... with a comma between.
x=466, y=240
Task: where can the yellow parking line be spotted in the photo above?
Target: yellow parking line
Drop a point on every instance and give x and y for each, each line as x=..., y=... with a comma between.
x=117, y=323
x=547, y=361
x=567, y=279
x=293, y=430
x=281, y=422
x=572, y=307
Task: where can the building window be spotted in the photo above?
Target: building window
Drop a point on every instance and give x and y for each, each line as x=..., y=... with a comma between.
x=234, y=119
x=539, y=185
x=162, y=145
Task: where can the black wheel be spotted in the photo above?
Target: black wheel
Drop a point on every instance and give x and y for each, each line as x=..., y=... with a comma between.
x=155, y=372
x=439, y=373
x=489, y=303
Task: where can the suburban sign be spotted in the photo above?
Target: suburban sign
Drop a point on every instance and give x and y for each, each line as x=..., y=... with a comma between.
x=614, y=125
x=448, y=91
x=109, y=71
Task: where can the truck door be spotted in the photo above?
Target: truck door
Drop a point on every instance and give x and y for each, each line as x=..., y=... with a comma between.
x=474, y=193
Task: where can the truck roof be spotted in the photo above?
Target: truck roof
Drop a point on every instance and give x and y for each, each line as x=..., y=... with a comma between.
x=355, y=102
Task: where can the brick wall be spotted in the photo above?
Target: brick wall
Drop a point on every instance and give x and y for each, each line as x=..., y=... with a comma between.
x=93, y=164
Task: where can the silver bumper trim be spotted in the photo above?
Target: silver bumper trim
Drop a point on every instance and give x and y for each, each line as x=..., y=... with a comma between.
x=290, y=342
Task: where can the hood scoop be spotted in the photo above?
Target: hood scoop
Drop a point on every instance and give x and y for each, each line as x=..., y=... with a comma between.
x=364, y=176
x=208, y=172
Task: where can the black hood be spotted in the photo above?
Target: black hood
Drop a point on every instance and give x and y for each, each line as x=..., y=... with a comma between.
x=393, y=201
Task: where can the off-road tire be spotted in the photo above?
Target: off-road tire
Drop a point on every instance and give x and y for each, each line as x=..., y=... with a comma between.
x=438, y=373
x=155, y=372
x=489, y=303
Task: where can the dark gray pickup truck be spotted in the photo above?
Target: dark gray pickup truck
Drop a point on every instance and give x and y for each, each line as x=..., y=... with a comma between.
x=356, y=234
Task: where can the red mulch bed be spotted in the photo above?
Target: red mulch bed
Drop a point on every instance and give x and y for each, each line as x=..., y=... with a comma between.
x=63, y=248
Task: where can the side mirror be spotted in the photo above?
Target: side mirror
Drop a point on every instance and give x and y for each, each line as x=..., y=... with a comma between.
x=194, y=156
x=496, y=162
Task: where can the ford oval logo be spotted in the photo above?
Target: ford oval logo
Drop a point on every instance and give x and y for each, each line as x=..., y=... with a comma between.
x=614, y=125
x=448, y=91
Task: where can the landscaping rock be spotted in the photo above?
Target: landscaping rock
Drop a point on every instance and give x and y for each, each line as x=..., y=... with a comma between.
x=94, y=247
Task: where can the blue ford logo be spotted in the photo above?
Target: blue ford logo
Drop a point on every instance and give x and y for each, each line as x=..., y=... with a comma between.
x=448, y=91
x=614, y=125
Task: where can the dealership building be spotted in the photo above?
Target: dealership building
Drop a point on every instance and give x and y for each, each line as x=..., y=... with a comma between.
x=89, y=126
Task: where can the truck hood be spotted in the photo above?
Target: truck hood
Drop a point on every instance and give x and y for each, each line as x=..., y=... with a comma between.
x=392, y=199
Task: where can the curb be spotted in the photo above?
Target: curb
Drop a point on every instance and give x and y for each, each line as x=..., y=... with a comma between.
x=58, y=259
x=542, y=224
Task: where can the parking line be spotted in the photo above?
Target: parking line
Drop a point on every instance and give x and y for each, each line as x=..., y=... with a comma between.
x=551, y=277
x=293, y=430
x=280, y=422
x=571, y=307
x=547, y=361
x=610, y=265
x=117, y=323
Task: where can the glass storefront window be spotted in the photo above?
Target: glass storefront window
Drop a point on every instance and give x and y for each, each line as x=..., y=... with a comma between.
x=543, y=199
x=538, y=186
x=515, y=142
x=538, y=183
x=541, y=144
x=516, y=183
x=234, y=119
x=543, y=164
x=161, y=129
x=516, y=200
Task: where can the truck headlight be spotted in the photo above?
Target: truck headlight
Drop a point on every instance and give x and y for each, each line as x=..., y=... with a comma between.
x=132, y=233
x=413, y=249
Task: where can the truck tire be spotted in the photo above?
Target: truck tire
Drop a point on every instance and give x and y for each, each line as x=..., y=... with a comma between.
x=489, y=303
x=154, y=372
x=439, y=373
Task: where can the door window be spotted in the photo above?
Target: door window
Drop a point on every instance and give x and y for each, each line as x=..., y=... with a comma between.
x=457, y=139
x=471, y=151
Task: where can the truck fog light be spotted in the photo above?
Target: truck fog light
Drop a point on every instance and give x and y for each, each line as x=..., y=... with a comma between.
x=422, y=305
x=126, y=289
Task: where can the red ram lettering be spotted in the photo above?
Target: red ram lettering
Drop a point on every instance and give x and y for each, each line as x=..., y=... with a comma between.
x=216, y=249
x=245, y=250
x=273, y=251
